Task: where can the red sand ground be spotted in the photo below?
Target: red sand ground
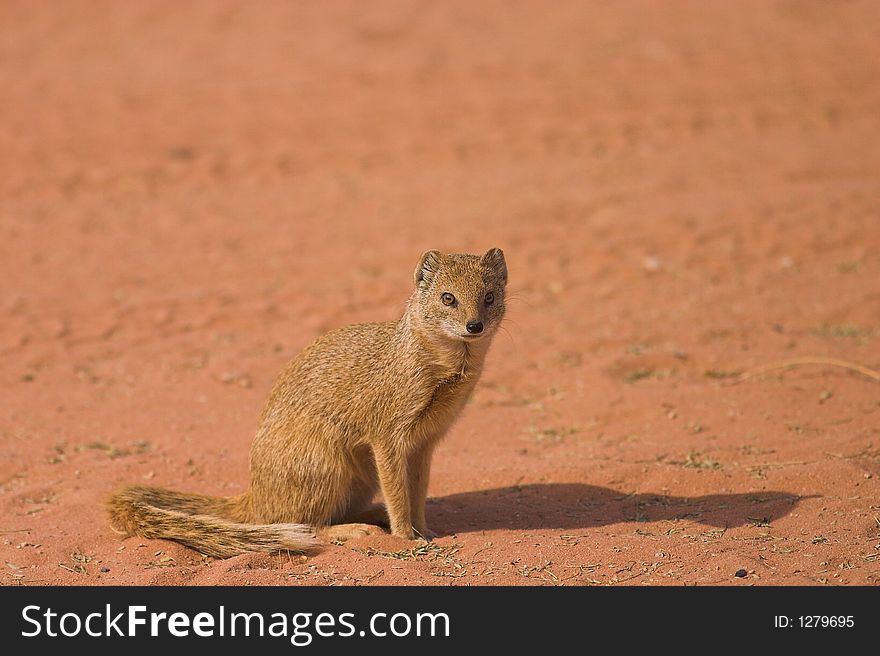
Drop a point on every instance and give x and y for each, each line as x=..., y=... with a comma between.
x=191, y=192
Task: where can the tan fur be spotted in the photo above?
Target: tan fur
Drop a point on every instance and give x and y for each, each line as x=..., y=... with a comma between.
x=358, y=410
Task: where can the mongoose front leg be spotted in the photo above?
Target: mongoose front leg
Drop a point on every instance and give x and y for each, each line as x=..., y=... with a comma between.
x=391, y=466
x=420, y=472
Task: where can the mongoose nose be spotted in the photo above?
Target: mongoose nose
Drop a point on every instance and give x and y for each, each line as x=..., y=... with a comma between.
x=474, y=327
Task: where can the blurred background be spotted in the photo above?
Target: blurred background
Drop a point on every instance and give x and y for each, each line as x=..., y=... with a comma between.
x=191, y=192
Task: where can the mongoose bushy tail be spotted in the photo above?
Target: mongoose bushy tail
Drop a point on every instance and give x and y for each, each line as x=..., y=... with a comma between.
x=357, y=412
x=211, y=525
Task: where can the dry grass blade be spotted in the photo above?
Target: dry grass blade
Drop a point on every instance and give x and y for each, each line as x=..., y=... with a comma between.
x=427, y=549
x=797, y=362
x=77, y=569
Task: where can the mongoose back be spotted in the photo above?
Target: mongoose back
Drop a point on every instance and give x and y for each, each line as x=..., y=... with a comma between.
x=359, y=410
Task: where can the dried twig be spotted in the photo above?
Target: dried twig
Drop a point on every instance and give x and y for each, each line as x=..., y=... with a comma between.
x=796, y=362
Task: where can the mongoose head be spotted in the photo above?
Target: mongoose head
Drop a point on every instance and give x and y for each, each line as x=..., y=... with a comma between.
x=462, y=296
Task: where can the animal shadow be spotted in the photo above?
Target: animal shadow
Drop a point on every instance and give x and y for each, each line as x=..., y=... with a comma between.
x=574, y=505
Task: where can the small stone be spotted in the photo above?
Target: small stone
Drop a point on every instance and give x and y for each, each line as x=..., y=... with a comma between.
x=651, y=264
x=162, y=316
x=105, y=569
x=741, y=574
x=241, y=379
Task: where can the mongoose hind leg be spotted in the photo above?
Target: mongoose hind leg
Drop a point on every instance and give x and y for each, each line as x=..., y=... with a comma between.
x=338, y=533
x=374, y=514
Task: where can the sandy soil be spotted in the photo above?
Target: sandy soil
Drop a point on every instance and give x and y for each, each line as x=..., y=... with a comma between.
x=192, y=192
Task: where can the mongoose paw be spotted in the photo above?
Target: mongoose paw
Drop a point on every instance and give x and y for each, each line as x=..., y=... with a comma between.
x=339, y=533
x=425, y=534
x=412, y=533
x=407, y=533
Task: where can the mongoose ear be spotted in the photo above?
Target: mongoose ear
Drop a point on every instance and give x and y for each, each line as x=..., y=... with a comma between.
x=428, y=266
x=494, y=259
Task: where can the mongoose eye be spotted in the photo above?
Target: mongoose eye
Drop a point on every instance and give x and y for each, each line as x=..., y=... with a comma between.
x=490, y=298
x=447, y=298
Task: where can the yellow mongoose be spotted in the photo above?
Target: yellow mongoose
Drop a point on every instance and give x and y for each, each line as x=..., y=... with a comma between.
x=359, y=409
